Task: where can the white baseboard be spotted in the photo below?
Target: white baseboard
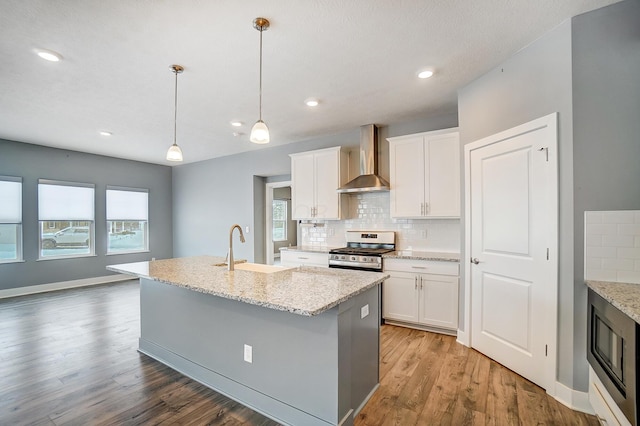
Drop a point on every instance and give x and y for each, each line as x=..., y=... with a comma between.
x=42, y=288
x=463, y=338
x=573, y=399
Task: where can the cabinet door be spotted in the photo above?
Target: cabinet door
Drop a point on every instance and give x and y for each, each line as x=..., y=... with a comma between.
x=302, y=186
x=439, y=301
x=327, y=178
x=407, y=174
x=443, y=176
x=399, y=297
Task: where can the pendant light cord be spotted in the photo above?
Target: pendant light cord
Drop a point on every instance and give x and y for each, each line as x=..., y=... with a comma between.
x=260, y=73
x=175, y=110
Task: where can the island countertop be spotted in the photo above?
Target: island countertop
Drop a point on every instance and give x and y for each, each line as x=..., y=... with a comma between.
x=302, y=290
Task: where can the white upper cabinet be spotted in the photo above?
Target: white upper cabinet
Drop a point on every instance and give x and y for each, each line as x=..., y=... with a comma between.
x=315, y=178
x=425, y=175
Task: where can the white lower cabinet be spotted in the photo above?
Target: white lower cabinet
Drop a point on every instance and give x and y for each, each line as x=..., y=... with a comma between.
x=605, y=407
x=421, y=294
x=303, y=258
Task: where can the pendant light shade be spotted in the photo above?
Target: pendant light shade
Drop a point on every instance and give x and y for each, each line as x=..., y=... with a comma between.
x=260, y=131
x=175, y=153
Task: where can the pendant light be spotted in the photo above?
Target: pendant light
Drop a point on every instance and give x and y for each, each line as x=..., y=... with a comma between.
x=175, y=153
x=260, y=131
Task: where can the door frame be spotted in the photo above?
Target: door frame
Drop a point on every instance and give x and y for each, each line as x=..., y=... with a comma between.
x=268, y=213
x=552, y=214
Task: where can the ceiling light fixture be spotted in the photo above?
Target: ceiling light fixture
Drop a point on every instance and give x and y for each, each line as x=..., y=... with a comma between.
x=425, y=74
x=175, y=153
x=312, y=102
x=105, y=133
x=236, y=123
x=260, y=131
x=49, y=55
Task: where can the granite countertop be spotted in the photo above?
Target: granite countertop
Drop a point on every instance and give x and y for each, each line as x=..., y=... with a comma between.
x=423, y=255
x=308, y=249
x=624, y=296
x=302, y=290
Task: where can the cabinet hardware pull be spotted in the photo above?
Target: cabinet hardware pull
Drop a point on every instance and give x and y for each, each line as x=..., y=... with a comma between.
x=421, y=209
x=426, y=209
x=419, y=267
x=420, y=283
x=416, y=285
x=303, y=258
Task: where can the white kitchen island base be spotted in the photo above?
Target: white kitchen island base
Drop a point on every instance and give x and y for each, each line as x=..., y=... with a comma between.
x=305, y=370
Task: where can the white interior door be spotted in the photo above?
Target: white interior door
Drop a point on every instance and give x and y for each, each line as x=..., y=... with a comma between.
x=513, y=234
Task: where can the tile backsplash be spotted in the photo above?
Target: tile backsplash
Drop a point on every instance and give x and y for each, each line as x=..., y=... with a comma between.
x=370, y=211
x=612, y=246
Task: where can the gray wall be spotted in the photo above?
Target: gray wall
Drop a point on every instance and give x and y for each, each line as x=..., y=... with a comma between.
x=531, y=84
x=606, y=128
x=212, y=195
x=32, y=162
x=587, y=70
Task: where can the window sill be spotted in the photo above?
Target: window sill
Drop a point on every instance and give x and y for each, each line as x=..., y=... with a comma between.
x=127, y=252
x=40, y=259
x=2, y=262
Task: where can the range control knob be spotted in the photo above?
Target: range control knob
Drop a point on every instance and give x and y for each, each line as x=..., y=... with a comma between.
x=353, y=258
x=364, y=259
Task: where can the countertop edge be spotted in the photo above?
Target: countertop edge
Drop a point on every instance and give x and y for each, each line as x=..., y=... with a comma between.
x=623, y=296
x=251, y=301
x=418, y=255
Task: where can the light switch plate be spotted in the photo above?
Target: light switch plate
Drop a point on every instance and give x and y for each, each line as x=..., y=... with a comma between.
x=248, y=353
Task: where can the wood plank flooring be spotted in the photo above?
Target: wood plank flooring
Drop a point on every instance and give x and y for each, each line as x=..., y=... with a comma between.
x=70, y=358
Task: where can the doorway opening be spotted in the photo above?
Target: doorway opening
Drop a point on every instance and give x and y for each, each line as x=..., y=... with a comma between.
x=280, y=230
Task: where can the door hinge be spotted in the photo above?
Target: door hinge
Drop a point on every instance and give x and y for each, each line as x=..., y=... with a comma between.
x=547, y=253
x=546, y=151
x=546, y=348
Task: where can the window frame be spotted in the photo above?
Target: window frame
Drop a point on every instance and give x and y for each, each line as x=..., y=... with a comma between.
x=18, y=225
x=108, y=222
x=92, y=233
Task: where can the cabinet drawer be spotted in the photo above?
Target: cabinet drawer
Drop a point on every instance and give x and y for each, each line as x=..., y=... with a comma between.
x=422, y=266
x=299, y=258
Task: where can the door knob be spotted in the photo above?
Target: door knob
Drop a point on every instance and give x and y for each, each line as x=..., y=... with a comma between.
x=475, y=260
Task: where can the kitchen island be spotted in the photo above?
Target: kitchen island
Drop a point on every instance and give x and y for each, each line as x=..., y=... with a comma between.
x=299, y=345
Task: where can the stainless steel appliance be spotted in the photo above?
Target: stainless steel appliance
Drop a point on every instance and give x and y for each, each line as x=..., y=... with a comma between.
x=613, y=353
x=364, y=250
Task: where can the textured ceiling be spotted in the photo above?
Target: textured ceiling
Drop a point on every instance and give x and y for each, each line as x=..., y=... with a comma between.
x=358, y=57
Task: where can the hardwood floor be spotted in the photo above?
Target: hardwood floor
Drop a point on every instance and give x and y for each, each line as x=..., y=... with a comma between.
x=69, y=357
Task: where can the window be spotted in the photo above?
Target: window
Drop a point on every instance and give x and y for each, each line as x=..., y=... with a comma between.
x=127, y=220
x=279, y=220
x=66, y=215
x=10, y=219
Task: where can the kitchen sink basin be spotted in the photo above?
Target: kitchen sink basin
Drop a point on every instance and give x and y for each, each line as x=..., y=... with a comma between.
x=258, y=267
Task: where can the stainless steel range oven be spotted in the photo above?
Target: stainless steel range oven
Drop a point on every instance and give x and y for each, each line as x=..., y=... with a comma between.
x=364, y=250
x=613, y=353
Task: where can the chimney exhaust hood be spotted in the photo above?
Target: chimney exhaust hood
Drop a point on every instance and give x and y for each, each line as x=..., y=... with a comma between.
x=368, y=181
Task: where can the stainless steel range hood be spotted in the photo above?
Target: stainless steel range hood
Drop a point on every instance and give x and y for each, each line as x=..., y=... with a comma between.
x=368, y=181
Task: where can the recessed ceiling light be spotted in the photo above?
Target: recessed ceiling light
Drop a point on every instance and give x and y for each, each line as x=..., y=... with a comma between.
x=236, y=123
x=105, y=133
x=425, y=74
x=49, y=55
x=312, y=102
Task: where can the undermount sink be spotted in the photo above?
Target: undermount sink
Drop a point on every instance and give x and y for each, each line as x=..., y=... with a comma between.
x=258, y=267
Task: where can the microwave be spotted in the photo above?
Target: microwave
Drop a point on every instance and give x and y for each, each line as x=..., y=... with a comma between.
x=613, y=353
